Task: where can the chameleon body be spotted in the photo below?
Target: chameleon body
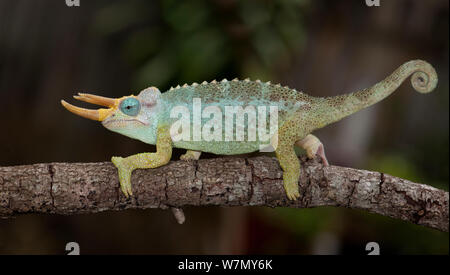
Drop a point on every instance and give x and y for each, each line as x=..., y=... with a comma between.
x=147, y=117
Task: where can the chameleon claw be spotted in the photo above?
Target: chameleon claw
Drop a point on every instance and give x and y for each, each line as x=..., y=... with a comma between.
x=124, y=191
x=293, y=195
x=291, y=190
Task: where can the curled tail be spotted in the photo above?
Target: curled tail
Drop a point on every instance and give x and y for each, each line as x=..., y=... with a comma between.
x=423, y=79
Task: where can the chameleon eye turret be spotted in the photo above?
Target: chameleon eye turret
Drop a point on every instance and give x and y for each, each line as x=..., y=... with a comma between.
x=130, y=106
x=99, y=114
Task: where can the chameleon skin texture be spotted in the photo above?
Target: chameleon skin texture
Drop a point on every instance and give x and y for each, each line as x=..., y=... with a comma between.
x=298, y=116
x=234, y=93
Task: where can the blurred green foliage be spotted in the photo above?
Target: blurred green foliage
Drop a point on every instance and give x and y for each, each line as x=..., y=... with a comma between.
x=398, y=165
x=197, y=40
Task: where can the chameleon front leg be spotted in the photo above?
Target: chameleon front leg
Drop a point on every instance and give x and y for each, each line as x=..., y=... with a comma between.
x=313, y=147
x=126, y=165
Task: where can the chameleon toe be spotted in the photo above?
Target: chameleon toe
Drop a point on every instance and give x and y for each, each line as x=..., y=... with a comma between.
x=321, y=154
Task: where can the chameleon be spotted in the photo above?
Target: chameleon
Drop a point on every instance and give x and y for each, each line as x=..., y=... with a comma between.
x=149, y=117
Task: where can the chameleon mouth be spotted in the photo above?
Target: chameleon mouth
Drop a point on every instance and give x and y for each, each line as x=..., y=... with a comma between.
x=99, y=114
x=119, y=122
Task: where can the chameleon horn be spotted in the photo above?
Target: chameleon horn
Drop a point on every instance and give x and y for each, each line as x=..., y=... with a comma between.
x=95, y=99
x=98, y=115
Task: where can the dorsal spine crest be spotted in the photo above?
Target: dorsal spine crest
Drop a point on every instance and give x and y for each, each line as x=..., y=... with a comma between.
x=247, y=80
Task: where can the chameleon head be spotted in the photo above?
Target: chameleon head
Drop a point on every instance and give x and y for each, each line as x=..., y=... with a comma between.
x=125, y=115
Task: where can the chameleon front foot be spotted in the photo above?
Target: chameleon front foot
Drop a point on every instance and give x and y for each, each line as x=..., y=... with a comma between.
x=191, y=155
x=124, y=175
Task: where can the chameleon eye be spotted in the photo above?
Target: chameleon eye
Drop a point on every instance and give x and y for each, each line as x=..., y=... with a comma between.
x=130, y=106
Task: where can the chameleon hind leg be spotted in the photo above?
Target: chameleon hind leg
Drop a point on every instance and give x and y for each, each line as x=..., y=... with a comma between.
x=313, y=147
x=126, y=165
x=290, y=164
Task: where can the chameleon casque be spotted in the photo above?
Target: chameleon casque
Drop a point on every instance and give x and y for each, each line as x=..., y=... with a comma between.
x=146, y=117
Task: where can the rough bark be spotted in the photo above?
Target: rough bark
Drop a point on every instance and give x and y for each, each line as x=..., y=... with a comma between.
x=69, y=188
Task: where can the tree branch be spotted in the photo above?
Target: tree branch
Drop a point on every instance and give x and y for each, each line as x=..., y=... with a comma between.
x=73, y=188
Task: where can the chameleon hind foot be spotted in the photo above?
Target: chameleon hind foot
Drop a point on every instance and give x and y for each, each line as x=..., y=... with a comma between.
x=191, y=155
x=291, y=166
x=291, y=188
x=291, y=169
x=313, y=147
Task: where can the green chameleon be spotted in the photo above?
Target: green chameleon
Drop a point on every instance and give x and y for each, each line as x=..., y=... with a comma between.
x=148, y=117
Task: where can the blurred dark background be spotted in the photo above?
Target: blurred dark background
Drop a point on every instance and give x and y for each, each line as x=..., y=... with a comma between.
x=49, y=51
